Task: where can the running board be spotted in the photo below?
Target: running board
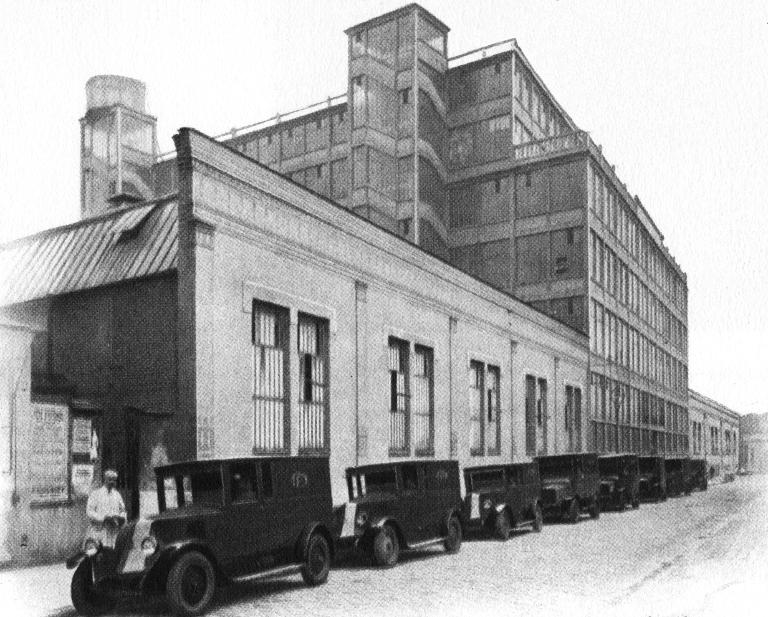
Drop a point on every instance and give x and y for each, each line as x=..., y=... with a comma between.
x=292, y=569
x=426, y=543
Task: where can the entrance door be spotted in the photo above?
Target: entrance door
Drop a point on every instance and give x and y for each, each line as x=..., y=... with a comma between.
x=132, y=462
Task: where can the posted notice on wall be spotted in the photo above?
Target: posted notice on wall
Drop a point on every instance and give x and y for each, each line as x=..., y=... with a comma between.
x=81, y=435
x=49, y=453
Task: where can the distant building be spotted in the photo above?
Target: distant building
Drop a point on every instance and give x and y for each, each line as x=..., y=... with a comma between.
x=714, y=434
x=753, y=452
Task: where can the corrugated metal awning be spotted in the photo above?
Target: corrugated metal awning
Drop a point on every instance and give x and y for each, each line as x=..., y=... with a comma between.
x=128, y=244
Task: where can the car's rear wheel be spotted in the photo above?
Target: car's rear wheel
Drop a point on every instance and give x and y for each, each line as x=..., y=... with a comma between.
x=503, y=525
x=572, y=515
x=452, y=542
x=538, y=518
x=190, y=585
x=317, y=560
x=85, y=599
x=594, y=507
x=386, y=547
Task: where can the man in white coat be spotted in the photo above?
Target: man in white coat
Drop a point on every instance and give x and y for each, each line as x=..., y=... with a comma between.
x=106, y=511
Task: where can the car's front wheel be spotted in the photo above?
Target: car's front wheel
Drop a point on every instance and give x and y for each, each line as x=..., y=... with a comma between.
x=386, y=547
x=85, y=599
x=317, y=560
x=452, y=542
x=190, y=585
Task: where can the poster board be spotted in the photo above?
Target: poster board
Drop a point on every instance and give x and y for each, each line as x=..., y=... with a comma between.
x=49, y=453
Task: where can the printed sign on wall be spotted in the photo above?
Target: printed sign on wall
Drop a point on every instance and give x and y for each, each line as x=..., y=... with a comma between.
x=49, y=453
x=81, y=435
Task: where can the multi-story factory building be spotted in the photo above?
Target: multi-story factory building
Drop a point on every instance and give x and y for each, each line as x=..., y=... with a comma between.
x=473, y=159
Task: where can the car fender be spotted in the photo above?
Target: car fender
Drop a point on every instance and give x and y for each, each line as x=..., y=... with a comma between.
x=374, y=527
x=154, y=578
x=303, y=542
x=74, y=560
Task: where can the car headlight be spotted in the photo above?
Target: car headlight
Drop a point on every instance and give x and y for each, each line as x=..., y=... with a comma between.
x=487, y=504
x=148, y=545
x=361, y=519
x=91, y=547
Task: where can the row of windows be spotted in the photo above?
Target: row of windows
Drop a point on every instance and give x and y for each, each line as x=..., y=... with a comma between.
x=616, y=438
x=276, y=144
x=610, y=208
x=613, y=275
x=618, y=403
x=536, y=102
x=725, y=443
x=617, y=341
x=329, y=180
x=411, y=385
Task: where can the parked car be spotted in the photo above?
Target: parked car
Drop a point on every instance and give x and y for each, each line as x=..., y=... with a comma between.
x=653, y=478
x=219, y=520
x=619, y=481
x=501, y=498
x=678, y=475
x=405, y=505
x=699, y=476
x=570, y=484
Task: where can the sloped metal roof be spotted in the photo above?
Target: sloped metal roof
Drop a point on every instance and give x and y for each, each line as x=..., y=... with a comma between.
x=128, y=244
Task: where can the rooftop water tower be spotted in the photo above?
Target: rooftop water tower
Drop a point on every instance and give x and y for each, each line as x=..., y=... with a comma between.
x=117, y=145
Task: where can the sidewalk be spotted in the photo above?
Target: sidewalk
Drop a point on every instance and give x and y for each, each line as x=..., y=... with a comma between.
x=36, y=591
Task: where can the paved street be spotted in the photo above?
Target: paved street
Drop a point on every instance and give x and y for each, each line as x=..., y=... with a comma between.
x=706, y=554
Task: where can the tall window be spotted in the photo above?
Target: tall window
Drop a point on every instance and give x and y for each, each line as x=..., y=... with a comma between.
x=423, y=401
x=313, y=384
x=399, y=417
x=484, y=409
x=270, y=378
x=535, y=415
x=573, y=418
x=475, y=408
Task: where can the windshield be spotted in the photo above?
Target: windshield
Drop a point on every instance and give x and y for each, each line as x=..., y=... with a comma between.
x=555, y=466
x=203, y=487
x=486, y=479
x=609, y=466
x=362, y=483
x=648, y=465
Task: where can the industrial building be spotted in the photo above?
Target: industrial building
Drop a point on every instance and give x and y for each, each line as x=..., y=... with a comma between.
x=436, y=263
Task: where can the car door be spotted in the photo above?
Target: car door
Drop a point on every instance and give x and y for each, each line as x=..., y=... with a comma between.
x=515, y=493
x=411, y=489
x=245, y=515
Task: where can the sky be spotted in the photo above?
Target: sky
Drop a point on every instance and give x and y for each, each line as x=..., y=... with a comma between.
x=676, y=94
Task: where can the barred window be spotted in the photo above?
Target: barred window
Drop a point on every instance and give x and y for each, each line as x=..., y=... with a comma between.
x=313, y=380
x=484, y=409
x=475, y=408
x=270, y=378
x=399, y=416
x=423, y=400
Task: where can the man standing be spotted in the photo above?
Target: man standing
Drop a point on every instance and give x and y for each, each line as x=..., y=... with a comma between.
x=106, y=511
